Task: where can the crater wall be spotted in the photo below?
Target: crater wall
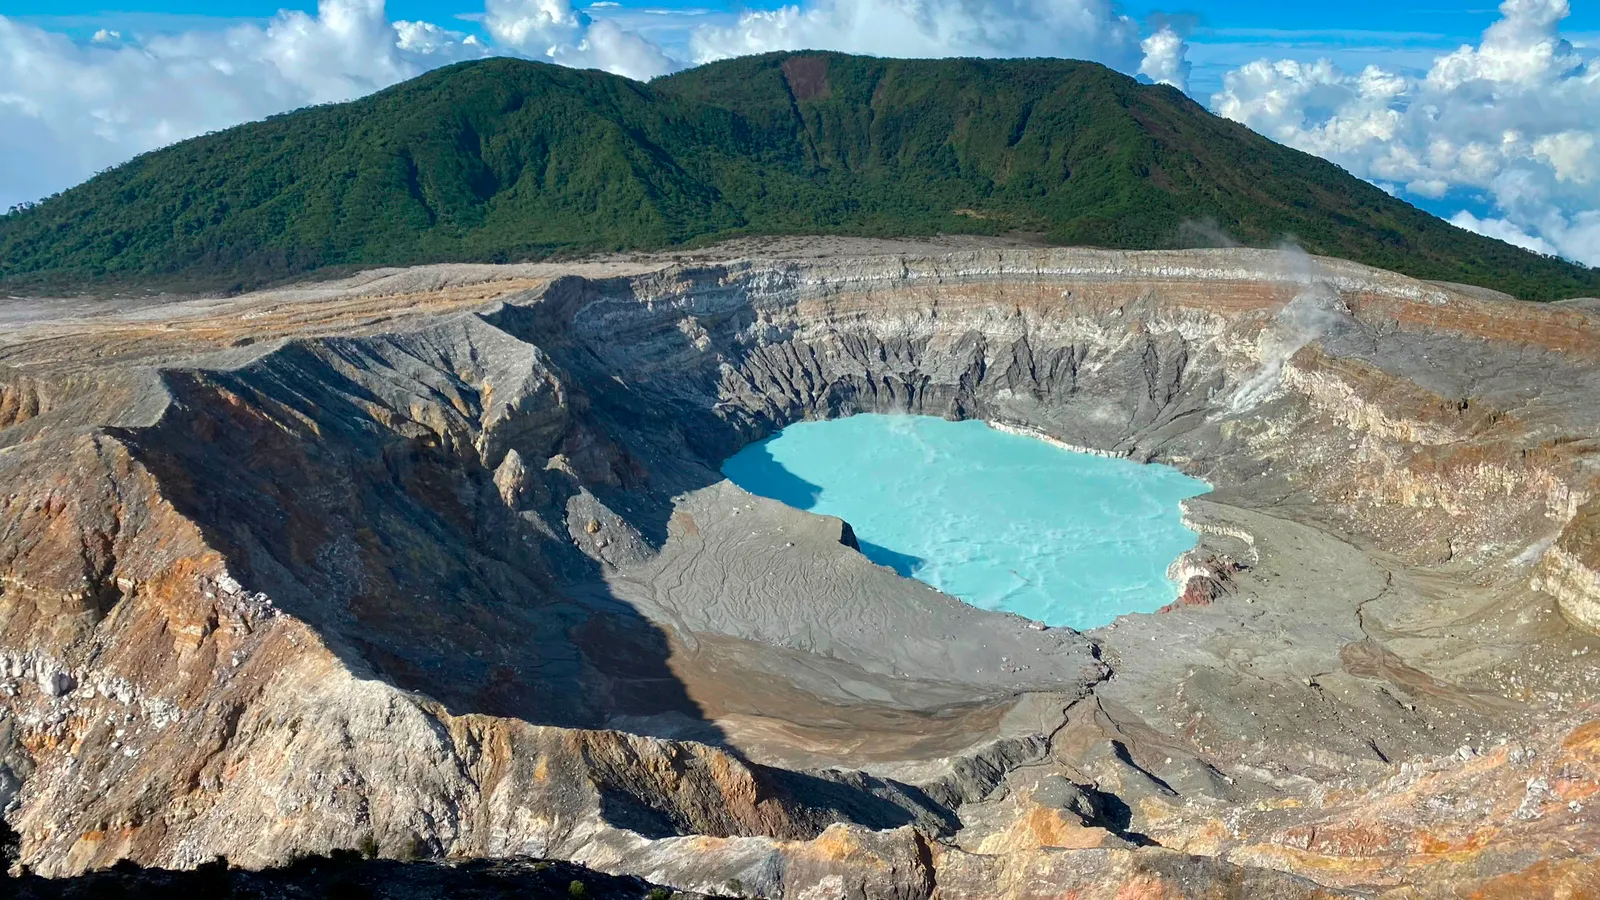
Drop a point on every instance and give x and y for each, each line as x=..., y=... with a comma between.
x=440, y=563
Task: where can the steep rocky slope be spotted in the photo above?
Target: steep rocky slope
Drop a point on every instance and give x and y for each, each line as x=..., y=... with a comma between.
x=438, y=562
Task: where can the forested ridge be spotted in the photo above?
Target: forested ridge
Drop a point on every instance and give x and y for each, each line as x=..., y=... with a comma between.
x=502, y=160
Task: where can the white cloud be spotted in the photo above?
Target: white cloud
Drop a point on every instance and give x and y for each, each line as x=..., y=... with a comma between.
x=429, y=40
x=1082, y=29
x=1521, y=49
x=1512, y=119
x=555, y=32
x=1432, y=188
x=1503, y=230
x=1569, y=154
x=1165, y=59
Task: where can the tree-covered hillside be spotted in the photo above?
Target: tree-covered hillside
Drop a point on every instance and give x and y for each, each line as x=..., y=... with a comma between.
x=505, y=160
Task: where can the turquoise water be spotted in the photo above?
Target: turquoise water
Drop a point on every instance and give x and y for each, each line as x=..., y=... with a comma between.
x=999, y=520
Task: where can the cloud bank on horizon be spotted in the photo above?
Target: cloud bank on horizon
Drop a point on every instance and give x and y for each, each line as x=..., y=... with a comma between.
x=1514, y=119
x=1506, y=127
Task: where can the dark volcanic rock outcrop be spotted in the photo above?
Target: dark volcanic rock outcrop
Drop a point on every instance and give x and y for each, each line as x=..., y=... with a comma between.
x=439, y=563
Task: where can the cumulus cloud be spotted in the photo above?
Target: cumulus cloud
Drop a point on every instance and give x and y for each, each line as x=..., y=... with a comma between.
x=1165, y=58
x=1502, y=230
x=1510, y=120
x=1082, y=29
x=554, y=31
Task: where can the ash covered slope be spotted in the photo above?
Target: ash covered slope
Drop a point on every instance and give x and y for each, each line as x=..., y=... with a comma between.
x=504, y=160
x=437, y=563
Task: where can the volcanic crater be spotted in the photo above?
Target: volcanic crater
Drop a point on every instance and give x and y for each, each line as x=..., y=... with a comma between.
x=439, y=561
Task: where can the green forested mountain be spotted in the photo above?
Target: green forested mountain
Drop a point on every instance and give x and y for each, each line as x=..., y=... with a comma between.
x=505, y=160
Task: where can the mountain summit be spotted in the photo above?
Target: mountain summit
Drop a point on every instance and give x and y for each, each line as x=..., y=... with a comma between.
x=504, y=159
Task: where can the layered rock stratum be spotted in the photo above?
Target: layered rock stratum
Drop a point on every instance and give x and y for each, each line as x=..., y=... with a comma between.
x=438, y=563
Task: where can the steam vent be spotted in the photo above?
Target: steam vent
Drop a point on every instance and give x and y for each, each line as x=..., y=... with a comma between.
x=438, y=565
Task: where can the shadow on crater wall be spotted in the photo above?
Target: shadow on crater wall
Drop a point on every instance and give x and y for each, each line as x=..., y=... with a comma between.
x=756, y=470
x=396, y=544
x=905, y=564
x=347, y=480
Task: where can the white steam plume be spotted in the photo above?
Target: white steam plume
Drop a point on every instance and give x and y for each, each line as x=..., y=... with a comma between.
x=1314, y=312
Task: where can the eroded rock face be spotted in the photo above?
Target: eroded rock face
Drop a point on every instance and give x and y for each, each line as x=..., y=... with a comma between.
x=451, y=572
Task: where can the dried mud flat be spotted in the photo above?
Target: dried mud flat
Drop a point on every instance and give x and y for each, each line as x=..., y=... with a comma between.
x=438, y=562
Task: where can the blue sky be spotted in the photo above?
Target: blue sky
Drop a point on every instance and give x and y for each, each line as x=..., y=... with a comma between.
x=1483, y=114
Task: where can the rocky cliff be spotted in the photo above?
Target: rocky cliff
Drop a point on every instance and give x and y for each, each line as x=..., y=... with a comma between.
x=438, y=562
